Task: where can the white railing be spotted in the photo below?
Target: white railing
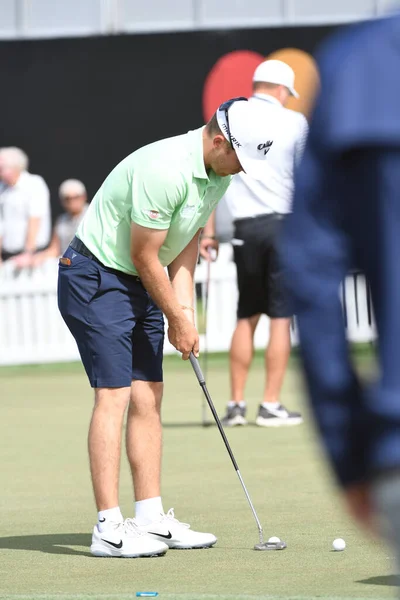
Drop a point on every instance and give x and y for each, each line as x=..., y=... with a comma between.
x=32, y=330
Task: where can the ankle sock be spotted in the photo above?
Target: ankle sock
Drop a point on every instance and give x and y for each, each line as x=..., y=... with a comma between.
x=105, y=517
x=147, y=511
x=271, y=405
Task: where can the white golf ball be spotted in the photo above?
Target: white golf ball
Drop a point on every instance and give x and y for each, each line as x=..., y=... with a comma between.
x=339, y=545
x=273, y=540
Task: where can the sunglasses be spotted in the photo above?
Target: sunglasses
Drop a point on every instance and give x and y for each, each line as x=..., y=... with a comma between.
x=69, y=198
x=225, y=107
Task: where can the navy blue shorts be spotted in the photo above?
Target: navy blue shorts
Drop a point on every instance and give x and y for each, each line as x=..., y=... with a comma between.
x=117, y=326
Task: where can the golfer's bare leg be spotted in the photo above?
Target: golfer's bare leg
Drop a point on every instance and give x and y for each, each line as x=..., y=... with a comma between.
x=144, y=438
x=241, y=355
x=276, y=358
x=105, y=435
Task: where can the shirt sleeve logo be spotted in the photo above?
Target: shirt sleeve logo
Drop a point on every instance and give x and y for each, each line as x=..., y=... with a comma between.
x=153, y=214
x=266, y=147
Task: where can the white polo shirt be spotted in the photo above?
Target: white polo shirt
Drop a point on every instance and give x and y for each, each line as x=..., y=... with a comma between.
x=247, y=197
x=29, y=197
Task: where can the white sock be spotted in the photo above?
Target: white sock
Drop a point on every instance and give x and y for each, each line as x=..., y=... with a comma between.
x=105, y=517
x=147, y=511
x=271, y=405
x=232, y=403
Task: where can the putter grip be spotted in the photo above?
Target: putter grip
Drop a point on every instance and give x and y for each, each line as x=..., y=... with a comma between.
x=196, y=368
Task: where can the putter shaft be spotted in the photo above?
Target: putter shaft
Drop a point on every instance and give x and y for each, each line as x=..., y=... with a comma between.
x=201, y=380
x=205, y=349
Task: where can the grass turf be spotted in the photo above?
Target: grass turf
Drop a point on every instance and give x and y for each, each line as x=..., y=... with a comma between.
x=47, y=510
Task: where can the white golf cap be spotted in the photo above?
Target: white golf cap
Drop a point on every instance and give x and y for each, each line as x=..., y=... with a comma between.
x=276, y=71
x=251, y=136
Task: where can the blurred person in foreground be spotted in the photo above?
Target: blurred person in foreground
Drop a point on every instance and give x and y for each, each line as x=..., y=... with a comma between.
x=346, y=212
x=73, y=199
x=25, y=220
x=259, y=209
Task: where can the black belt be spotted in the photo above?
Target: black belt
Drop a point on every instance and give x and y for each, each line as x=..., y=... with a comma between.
x=79, y=246
x=261, y=217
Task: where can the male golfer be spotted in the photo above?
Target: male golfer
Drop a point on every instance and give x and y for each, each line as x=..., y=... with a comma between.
x=113, y=291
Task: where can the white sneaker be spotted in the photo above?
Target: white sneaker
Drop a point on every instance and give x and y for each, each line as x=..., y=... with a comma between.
x=235, y=415
x=176, y=534
x=125, y=540
x=277, y=417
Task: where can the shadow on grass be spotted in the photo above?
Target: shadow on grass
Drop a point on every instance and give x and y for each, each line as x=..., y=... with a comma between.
x=192, y=425
x=51, y=543
x=393, y=580
x=184, y=425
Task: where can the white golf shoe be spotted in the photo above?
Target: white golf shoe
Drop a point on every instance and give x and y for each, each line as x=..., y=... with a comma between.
x=277, y=417
x=125, y=540
x=176, y=534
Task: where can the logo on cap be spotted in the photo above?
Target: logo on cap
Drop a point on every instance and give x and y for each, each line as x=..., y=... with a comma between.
x=231, y=138
x=266, y=147
x=236, y=142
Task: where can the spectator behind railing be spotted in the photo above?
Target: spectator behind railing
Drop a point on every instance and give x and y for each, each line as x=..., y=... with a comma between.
x=25, y=222
x=73, y=199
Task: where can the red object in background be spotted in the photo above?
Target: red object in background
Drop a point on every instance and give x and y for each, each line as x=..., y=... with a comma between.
x=231, y=76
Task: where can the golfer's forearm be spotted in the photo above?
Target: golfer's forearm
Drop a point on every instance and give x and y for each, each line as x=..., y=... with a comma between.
x=182, y=279
x=209, y=229
x=156, y=282
x=181, y=272
x=183, y=286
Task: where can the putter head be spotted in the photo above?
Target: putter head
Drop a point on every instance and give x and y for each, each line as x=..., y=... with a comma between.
x=270, y=546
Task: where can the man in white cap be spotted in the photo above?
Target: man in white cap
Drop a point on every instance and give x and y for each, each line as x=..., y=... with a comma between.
x=258, y=208
x=113, y=290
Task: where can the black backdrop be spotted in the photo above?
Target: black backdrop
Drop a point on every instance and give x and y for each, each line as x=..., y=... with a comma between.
x=78, y=106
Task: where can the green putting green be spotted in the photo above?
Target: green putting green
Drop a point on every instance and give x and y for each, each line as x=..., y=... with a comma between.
x=47, y=510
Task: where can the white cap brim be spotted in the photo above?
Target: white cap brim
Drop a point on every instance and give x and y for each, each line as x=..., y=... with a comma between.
x=252, y=167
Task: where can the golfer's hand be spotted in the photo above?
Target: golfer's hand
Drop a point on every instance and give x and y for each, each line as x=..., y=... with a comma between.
x=209, y=248
x=184, y=337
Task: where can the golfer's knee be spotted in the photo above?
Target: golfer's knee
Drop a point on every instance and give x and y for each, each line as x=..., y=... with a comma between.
x=146, y=398
x=112, y=399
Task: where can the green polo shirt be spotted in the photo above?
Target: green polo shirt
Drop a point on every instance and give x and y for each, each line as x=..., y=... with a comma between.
x=162, y=186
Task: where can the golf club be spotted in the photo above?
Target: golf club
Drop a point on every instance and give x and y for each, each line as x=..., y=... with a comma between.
x=200, y=377
x=204, y=418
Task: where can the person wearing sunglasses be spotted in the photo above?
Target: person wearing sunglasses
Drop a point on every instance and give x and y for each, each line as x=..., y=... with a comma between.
x=133, y=260
x=73, y=199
